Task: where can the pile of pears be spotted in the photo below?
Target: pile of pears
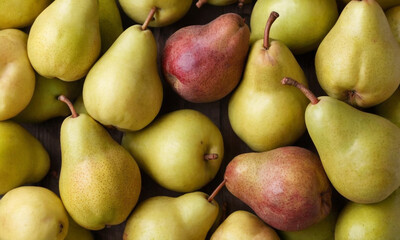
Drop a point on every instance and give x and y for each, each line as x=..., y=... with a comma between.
x=150, y=119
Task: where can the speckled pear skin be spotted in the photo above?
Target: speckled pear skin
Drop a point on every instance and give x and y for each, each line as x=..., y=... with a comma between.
x=286, y=187
x=359, y=150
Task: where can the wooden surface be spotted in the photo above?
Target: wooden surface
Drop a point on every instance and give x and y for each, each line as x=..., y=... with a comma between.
x=48, y=132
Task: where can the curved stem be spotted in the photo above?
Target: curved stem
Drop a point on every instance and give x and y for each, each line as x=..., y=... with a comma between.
x=149, y=18
x=200, y=3
x=307, y=92
x=210, y=156
x=272, y=17
x=64, y=99
x=216, y=191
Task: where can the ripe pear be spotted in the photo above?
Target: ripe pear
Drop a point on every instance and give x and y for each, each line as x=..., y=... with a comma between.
x=187, y=217
x=23, y=159
x=261, y=98
x=99, y=182
x=204, y=63
x=240, y=3
x=17, y=78
x=360, y=154
x=64, y=40
x=286, y=187
x=44, y=104
x=76, y=232
x=110, y=23
x=358, y=60
x=390, y=109
x=301, y=26
x=182, y=150
x=241, y=225
x=370, y=221
x=34, y=213
x=79, y=105
x=166, y=12
x=393, y=17
x=123, y=88
x=20, y=13
x=385, y=4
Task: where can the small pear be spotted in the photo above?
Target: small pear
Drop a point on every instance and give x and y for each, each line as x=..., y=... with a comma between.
x=240, y=3
x=370, y=221
x=390, y=109
x=261, y=98
x=44, y=104
x=23, y=159
x=166, y=12
x=64, y=40
x=182, y=150
x=20, y=13
x=241, y=225
x=393, y=17
x=110, y=23
x=76, y=232
x=358, y=60
x=17, y=78
x=187, y=217
x=34, y=213
x=123, y=88
x=99, y=182
x=360, y=154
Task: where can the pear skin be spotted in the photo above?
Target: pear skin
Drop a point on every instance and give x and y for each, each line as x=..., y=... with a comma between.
x=76, y=232
x=393, y=17
x=110, y=23
x=240, y=3
x=390, y=109
x=385, y=4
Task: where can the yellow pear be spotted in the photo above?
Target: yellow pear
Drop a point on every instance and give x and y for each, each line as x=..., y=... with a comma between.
x=393, y=17
x=110, y=23
x=76, y=232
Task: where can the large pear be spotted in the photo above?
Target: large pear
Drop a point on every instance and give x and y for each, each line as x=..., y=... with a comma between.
x=123, y=88
x=358, y=61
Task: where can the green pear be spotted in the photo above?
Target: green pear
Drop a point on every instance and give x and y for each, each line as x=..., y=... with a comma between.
x=261, y=98
x=166, y=12
x=359, y=150
x=187, y=217
x=23, y=159
x=385, y=4
x=44, y=104
x=358, y=60
x=123, y=88
x=99, y=182
x=302, y=24
x=241, y=225
x=34, y=213
x=240, y=3
x=378, y=221
x=20, y=13
x=17, y=78
x=182, y=150
x=79, y=105
x=390, y=109
x=393, y=17
x=110, y=23
x=76, y=232
x=64, y=40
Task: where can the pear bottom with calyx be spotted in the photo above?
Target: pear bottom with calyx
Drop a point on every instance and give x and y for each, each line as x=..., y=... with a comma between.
x=187, y=217
x=100, y=182
x=34, y=213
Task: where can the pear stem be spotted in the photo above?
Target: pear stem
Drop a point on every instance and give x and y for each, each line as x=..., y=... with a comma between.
x=240, y=3
x=272, y=17
x=64, y=99
x=216, y=191
x=200, y=3
x=307, y=92
x=210, y=156
x=149, y=18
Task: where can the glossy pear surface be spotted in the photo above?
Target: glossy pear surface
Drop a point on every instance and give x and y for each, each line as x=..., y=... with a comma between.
x=378, y=221
x=123, y=88
x=360, y=154
x=99, y=181
x=17, y=78
x=390, y=109
x=110, y=23
x=187, y=217
x=44, y=104
x=358, y=61
x=23, y=159
x=268, y=182
x=20, y=13
x=168, y=11
x=385, y=4
x=241, y=225
x=173, y=150
x=301, y=24
x=204, y=63
x=261, y=98
x=393, y=17
x=34, y=213
x=64, y=41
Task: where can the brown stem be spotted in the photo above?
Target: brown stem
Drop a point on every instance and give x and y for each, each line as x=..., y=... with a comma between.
x=216, y=191
x=200, y=3
x=310, y=95
x=240, y=3
x=149, y=18
x=272, y=17
x=210, y=156
x=64, y=99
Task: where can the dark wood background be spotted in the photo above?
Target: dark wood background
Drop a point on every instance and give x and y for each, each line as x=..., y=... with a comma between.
x=48, y=132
